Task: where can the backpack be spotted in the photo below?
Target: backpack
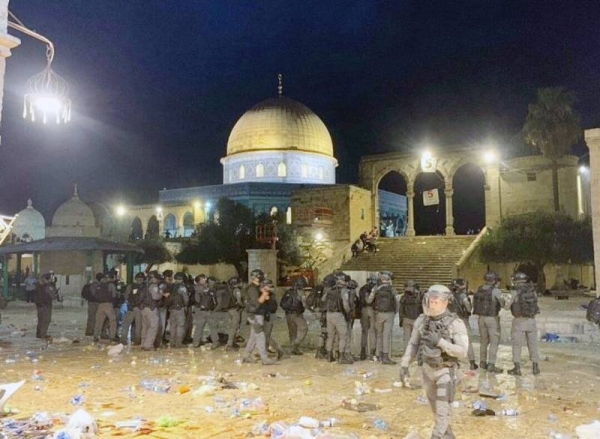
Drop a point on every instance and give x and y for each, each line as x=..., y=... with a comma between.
x=225, y=297
x=313, y=301
x=86, y=292
x=593, y=311
x=287, y=301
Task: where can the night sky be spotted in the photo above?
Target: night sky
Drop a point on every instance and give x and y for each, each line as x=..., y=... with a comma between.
x=158, y=85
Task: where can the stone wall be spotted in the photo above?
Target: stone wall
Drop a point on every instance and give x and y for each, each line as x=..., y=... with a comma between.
x=265, y=260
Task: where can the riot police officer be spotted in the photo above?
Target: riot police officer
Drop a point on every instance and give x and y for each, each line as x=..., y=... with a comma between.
x=383, y=299
x=105, y=294
x=487, y=302
x=460, y=304
x=150, y=295
x=336, y=300
x=441, y=338
x=257, y=293
x=133, y=318
x=315, y=304
x=43, y=296
x=166, y=288
x=206, y=302
x=367, y=318
x=524, y=307
x=234, y=312
x=411, y=307
x=293, y=304
x=176, y=304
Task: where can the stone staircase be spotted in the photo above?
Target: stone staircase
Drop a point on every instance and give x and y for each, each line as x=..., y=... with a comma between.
x=426, y=259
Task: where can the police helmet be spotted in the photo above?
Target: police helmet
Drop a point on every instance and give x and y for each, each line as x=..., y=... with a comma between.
x=99, y=276
x=234, y=281
x=211, y=280
x=373, y=278
x=47, y=276
x=154, y=276
x=179, y=276
x=200, y=277
x=257, y=274
x=268, y=284
x=168, y=273
x=340, y=278
x=385, y=277
x=520, y=277
x=459, y=283
x=140, y=275
x=411, y=285
x=439, y=292
x=300, y=282
x=491, y=277
x=352, y=284
x=329, y=280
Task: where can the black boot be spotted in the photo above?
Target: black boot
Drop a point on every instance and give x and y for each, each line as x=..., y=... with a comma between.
x=346, y=359
x=373, y=354
x=515, y=370
x=336, y=355
x=385, y=359
x=330, y=357
x=321, y=354
x=483, y=365
x=363, y=354
x=536, y=369
x=491, y=368
x=296, y=350
x=473, y=365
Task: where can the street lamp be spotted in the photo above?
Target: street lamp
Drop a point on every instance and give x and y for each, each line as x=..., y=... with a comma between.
x=47, y=92
x=120, y=210
x=490, y=157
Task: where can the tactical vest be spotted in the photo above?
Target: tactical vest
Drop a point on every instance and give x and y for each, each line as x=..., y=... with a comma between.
x=146, y=300
x=457, y=305
x=176, y=300
x=135, y=298
x=525, y=304
x=103, y=293
x=291, y=303
x=334, y=299
x=384, y=299
x=225, y=297
x=435, y=356
x=484, y=303
x=207, y=300
x=412, y=305
x=362, y=295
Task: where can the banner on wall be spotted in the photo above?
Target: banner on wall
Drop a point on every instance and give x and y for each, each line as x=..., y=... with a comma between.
x=431, y=197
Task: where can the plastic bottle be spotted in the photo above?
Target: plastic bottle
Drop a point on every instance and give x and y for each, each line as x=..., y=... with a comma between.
x=308, y=422
x=510, y=412
x=328, y=423
x=380, y=424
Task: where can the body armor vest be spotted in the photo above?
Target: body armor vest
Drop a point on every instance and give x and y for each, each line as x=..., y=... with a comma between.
x=135, y=297
x=334, y=299
x=362, y=295
x=291, y=302
x=146, y=300
x=384, y=299
x=435, y=356
x=412, y=305
x=207, y=300
x=103, y=293
x=526, y=303
x=457, y=305
x=176, y=300
x=484, y=303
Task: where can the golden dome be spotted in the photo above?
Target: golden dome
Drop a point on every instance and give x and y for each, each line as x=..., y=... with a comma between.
x=280, y=124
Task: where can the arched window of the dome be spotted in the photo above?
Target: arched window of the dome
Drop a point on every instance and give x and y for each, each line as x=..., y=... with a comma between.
x=242, y=173
x=260, y=170
x=282, y=170
x=304, y=170
x=321, y=173
x=288, y=215
x=273, y=211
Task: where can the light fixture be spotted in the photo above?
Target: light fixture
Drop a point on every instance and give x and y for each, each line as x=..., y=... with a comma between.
x=208, y=205
x=158, y=209
x=197, y=204
x=426, y=155
x=490, y=157
x=319, y=237
x=120, y=210
x=582, y=169
x=47, y=94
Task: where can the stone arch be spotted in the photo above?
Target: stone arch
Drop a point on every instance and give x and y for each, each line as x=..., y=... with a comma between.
x=242, y=172
x=392, y=204
x=137, y=229
x=153, y=228
x=260, y=170
x=282, y=170
x=188, y=223
x=170, y=225
x=468, y=198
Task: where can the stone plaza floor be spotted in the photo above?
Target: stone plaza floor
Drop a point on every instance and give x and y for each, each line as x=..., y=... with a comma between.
x=64, y=376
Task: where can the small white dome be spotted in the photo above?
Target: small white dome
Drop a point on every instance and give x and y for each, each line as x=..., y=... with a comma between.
x=30, y=224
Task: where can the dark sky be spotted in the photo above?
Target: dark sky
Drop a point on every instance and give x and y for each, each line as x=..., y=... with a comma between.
x=158, y=85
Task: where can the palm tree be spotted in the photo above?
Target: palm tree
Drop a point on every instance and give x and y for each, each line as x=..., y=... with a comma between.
x=553, y=127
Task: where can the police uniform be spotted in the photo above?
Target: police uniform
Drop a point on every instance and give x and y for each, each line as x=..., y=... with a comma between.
x=487, y=302
x=256, y=319
x=336, y=301
x=270, y=309
x=524, y=308
x=43, y=296
x=367, y=322
x=383, y=299
x=294, y=316
x=150, y=295
x=439, y=363
x=105, y=295
x=461, y=306
x=411, y=308
x=206, y=302
x=234, y=314
x=92, y=306
x=177, y=303
x=133, y=318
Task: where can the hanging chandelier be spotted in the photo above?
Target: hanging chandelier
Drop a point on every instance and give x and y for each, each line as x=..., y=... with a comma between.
x=47, y=96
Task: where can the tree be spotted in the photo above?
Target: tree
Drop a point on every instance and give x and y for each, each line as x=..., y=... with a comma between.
x=539, y=238
x=553, y=127
x=225, y=240
x=155, y=252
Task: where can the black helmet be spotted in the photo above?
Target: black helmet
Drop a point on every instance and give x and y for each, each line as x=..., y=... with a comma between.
x=491, y=277
x=168, y=273
x=257, y=274
x=341, y=278
x=153, y=275
x=520, y=277
x=411, y=285
x=179, y=276
x=329, y=280
x=372, y=280
x=140, y=275
x=352, y=284
x=212, y=280
x=300, y=282
x=99, y=276
x=200, y=277
x=47, y=276
x=385, y=276
x=267, y=283
x=234, y=281
x=459, y=283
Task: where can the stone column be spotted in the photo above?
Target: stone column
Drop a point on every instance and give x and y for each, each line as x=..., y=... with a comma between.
x=265, y=260
x=493, y=198
x=410, y=223
x=448, y=191
x=592, y=138
x=7, y=42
